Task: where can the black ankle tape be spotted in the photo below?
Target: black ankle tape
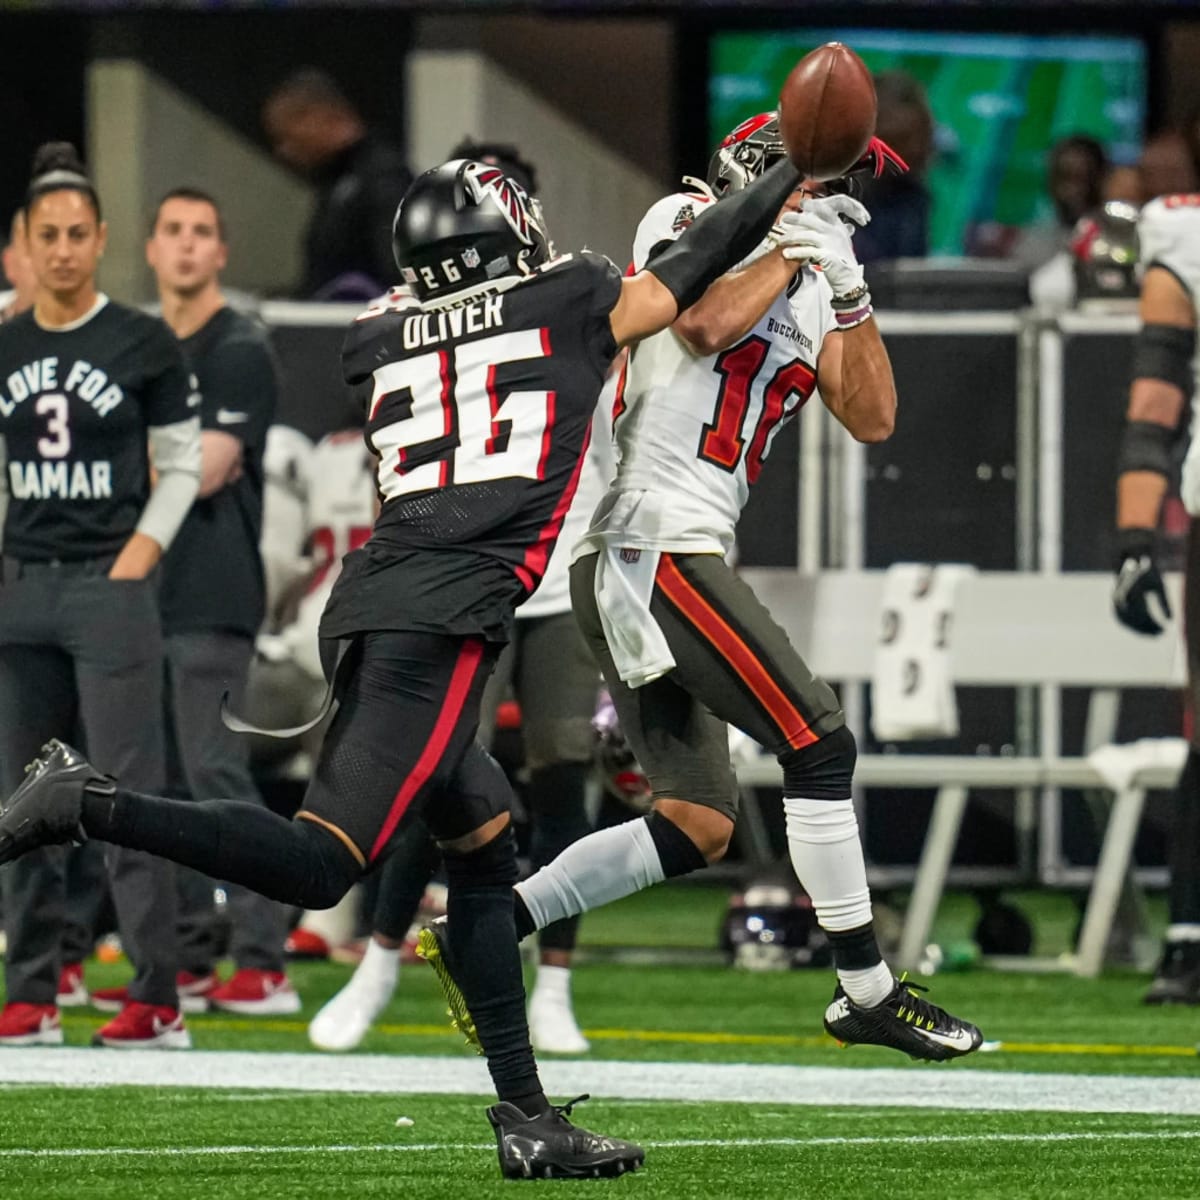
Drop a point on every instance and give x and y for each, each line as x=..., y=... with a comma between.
x=855, y=949
x=677, y=853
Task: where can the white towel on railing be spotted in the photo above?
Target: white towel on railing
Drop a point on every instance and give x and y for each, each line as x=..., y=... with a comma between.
x=912, y=686
x=1117, y=765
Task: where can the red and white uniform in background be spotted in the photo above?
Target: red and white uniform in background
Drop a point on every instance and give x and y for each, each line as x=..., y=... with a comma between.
x=340, y=514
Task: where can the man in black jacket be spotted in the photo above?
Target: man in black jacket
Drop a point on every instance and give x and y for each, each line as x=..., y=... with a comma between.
x=360, y=178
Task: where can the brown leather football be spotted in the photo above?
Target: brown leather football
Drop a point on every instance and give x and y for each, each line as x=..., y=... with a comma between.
x=827, y=111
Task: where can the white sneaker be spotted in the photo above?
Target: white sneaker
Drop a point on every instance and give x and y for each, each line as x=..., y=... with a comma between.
x=343, y=1021
x=552, y=1025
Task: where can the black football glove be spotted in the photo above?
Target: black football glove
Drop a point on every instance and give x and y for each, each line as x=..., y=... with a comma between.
x=1138, y=579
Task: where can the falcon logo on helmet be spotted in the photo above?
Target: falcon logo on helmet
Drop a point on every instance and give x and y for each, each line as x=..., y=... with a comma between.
x=465, y=226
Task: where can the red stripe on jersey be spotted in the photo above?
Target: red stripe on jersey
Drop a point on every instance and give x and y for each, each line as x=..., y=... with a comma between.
x=745, y=662
x=456, y=696
x=447, y=414
x=533, y=567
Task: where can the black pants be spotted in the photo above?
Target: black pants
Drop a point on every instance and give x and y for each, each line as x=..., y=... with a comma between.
x=401, y=745
x=206, y=759
x=549, y=669
x=80, y=650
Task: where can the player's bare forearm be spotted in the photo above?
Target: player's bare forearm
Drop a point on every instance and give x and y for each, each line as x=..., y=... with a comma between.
x=138, y=557
x=854, y=375
x=1139, y=499
x=734, y=304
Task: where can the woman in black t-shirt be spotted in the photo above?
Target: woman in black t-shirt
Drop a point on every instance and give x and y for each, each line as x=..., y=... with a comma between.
x=95, y=404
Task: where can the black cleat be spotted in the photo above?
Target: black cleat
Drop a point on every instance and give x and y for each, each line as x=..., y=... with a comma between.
x=434, y=948
x=904, y=1021
x=548, y=1146
x=47, y=808
x=1178, y=977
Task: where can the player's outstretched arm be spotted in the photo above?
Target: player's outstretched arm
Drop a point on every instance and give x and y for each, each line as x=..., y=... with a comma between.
x=854, y=377
x=724, y=235
x=734, y=304
x=1162, y=382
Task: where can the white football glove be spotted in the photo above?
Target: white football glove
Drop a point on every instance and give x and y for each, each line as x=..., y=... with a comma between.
x=820, y=232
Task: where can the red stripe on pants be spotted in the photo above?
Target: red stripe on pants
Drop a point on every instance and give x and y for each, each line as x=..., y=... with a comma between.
x=456, y=695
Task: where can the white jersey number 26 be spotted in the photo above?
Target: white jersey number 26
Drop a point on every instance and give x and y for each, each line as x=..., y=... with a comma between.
x=452, y=425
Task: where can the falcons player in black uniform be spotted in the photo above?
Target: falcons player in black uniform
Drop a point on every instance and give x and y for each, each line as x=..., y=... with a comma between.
x=483, y=375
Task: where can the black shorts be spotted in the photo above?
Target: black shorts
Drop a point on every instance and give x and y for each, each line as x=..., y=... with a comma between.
x=402, y=743
x=733, y=665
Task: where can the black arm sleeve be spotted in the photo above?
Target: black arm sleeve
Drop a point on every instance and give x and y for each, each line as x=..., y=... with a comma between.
x=723, y=235
x=1145, y=446
x=1165, y=352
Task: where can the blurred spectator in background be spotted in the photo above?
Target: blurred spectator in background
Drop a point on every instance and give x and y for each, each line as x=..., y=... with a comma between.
x=18, y=271
x=899, y=203
x=1075, y=178
x=1167, y=166
x=212, y=599
x=360, y=178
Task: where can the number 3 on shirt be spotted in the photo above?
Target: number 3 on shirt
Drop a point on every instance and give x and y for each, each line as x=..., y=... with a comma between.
x=451, y=423
x=58, y=442
x=722, y=440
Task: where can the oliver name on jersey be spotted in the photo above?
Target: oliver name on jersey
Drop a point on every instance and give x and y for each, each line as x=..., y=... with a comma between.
x=75, y=404
x=479, y=415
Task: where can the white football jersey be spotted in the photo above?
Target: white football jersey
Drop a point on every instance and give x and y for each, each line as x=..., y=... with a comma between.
x=691, y=431
x=1169, y=236
x=553, y=594
x=341, y=514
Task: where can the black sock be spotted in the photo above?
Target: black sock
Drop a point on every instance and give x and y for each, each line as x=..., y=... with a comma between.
x=296, y=862
x=557, y=799
x=487, y=965
x=1184, y=854
x=404, y=877
x=521, y=917
x=677, y=852
x=855, y=949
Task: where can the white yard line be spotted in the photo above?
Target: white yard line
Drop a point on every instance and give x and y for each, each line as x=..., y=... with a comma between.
x=950, y=1139
x=953, y=1087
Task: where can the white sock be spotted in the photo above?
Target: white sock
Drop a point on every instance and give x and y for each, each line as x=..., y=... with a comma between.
x=380, y=967
x=553, y=985
x=1183, y=933
x=826, y=854
x=597, y=869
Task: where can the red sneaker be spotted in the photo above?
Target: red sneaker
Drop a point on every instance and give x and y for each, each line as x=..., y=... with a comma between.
x=303, y=943
x=256, y=993
x=110, y=999
x=72, y=993
x=30, y=1025
x=144, y=1027
x=194, y=991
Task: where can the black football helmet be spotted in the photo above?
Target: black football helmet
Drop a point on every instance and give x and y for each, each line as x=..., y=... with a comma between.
x=463, y=225
x=771, y=926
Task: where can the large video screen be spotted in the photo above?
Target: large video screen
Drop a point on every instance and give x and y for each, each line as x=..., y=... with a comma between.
x=999, y=102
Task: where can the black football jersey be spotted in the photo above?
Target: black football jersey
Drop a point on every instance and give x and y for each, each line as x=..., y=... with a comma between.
x=75, y=406
x=480, y=416
x=231, y=358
